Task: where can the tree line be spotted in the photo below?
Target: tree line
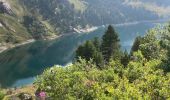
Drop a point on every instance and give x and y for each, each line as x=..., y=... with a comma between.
x=154, y=45
x=101, y=52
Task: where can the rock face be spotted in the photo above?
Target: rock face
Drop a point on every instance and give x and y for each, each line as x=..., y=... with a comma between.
x=5, y=7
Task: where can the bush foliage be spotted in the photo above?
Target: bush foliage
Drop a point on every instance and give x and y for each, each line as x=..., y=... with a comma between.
x=144, y=77
x=1, y=95
x=85, y=81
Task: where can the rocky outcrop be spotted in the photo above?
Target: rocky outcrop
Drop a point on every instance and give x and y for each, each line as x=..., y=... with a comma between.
x=5, y=7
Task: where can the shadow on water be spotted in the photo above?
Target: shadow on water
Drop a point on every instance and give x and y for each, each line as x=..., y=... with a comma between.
x=31, y=59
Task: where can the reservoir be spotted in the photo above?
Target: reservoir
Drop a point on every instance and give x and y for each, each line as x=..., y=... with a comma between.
x=19, y=66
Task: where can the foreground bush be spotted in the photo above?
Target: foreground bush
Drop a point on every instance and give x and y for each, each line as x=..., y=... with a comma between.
x=142, y=75
x=1, y=95
x=84, y=81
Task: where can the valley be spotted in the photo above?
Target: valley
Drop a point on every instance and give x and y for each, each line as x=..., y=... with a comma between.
x=29, y=60
x=84, y=49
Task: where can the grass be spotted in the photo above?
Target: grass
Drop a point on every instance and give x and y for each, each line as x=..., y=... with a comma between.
x=78, y=4
x=51, y=30
x=14, y=28
x=15, y=92
x=19, y=9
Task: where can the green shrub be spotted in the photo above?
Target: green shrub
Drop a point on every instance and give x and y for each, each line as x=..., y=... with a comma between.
x=1, y=95
x=142, y=77
x=83, y=80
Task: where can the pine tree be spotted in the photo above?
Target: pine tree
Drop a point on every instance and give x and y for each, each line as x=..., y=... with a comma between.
x=98, y=59
x=96, y=43
x=110, y=45
x=91, y=50
x=125, y=58
x=165, y=44
x=136, y=44
x=86, y=51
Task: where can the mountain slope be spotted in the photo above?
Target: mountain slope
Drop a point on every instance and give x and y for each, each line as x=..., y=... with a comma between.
x=21, y=20
x=18, y=24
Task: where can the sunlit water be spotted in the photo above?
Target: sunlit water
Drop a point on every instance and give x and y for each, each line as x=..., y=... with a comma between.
x=20, y=65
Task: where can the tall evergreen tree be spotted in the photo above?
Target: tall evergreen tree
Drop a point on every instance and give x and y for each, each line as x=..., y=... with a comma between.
x=168, y=49
x=96, y=43
x=110, y=44
x=125, y=58
x=136, y=44
x=90, y=51
x=86, y=51
x=165, y=43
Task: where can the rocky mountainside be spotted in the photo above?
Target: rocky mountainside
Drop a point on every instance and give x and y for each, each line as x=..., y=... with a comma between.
x=21, y=20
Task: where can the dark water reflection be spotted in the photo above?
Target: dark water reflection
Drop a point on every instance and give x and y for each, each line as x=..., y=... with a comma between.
x=30, y=60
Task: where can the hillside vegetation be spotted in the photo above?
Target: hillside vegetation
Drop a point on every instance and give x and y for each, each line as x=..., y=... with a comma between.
x=21, y=20
x=18, y=24
x=106, y=75
x=101, y=70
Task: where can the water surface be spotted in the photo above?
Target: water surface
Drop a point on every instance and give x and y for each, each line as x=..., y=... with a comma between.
x=20, y=65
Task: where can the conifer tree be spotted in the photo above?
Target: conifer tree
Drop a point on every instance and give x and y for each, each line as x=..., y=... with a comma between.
x=86, y=51
x=136, y=45
x=98, y=59
x=96, y=43
x=91, y=50
x=125, y=58
x=110, y=45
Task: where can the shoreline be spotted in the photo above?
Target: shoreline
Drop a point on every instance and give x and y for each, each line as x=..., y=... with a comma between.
x=58, y=36
x=5, y=47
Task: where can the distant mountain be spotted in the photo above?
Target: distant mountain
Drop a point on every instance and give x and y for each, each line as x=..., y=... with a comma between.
x=21, y=20
x=159, y=7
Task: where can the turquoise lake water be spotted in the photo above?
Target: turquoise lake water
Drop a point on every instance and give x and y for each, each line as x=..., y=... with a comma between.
x=20, y=65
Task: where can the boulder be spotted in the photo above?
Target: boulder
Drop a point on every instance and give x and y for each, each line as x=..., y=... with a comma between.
x=5, y=7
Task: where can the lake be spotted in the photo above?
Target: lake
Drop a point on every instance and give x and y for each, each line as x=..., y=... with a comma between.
x=20, y=65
